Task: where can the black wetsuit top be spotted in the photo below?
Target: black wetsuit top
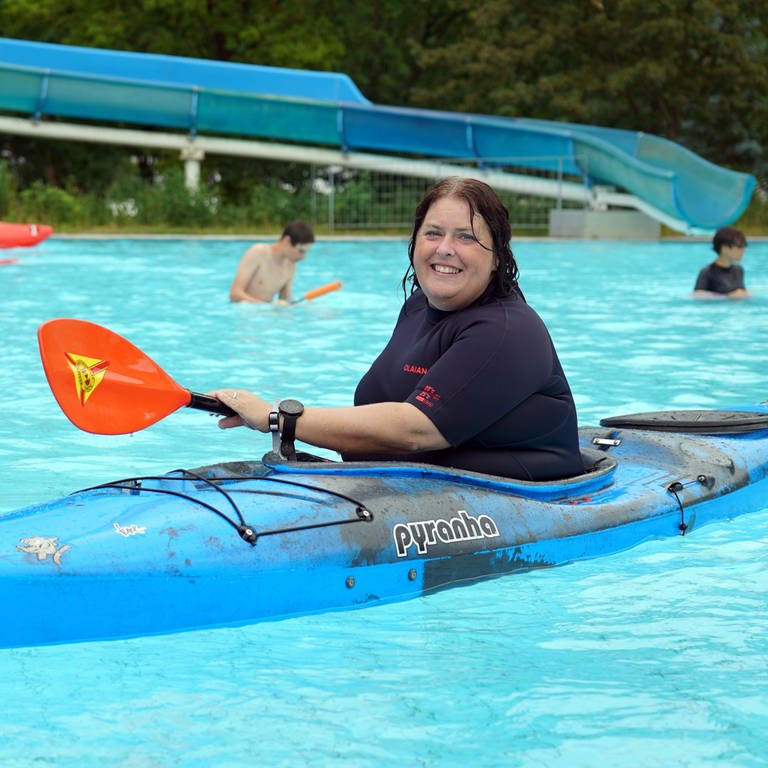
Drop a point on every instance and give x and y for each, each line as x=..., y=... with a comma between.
x=719, y=279
x=489, y=379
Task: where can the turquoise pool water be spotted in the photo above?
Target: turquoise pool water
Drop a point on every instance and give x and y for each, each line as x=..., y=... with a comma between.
x=654, y=657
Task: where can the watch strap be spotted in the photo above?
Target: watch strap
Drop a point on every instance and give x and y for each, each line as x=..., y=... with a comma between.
x=288, y=432
x=274, y=426
x=290, y=416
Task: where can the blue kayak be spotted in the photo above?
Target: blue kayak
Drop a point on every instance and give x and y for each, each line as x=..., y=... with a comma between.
x=242, y=542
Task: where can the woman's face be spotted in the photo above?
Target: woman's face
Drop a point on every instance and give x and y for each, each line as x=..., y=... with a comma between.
x=453, y=260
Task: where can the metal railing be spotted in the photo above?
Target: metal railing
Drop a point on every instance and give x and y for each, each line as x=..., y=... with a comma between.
x=348, y=199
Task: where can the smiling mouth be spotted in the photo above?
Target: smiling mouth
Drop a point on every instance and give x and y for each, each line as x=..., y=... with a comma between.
x=444, y=269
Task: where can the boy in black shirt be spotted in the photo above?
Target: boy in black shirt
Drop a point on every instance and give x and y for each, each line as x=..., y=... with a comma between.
x=724, y=277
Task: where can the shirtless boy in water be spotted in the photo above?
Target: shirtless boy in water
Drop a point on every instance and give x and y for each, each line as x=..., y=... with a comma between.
x=266, y=270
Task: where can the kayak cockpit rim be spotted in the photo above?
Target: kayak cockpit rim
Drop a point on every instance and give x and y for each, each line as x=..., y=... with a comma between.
x=599, y=473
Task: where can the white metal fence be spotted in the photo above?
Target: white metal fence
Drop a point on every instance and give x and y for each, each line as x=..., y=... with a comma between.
x=355, y=199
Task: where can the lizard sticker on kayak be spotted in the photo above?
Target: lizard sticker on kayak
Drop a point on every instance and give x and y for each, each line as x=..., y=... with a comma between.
x=43, y=548
x=425, y=533
x=88, y=372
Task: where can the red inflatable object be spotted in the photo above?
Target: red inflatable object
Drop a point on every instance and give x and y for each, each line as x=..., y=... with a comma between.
x=13, y=235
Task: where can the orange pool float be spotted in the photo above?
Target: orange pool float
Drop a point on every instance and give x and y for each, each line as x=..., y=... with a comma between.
x=14, y=235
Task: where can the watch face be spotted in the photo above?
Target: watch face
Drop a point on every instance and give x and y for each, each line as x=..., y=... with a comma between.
x=291, y=407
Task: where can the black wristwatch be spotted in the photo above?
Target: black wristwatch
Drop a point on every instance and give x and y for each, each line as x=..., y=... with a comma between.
x=290, y=410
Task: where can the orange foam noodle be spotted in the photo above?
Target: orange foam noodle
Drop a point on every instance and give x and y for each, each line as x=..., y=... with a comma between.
x=323, y=289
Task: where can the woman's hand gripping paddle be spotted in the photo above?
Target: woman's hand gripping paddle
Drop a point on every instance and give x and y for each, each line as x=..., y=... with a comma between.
x=321, y=291
x=106, y=385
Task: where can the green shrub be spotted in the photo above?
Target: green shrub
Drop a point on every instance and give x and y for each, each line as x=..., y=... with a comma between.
x=5, y=189
x=274, y=204
x=165, y=202
x=49, y=205
x=755, y=218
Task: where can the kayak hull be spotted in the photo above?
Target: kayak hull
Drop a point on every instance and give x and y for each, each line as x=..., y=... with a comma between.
x=243, y=542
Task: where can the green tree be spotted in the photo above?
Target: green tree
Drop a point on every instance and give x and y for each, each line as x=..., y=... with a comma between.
x=286, y=33
x=5, y=189
x=380, y=37
x=371, y=41
x=694, y=71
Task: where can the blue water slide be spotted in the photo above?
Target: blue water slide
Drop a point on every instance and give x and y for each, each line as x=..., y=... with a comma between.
x=177, y=70
x=203, y=97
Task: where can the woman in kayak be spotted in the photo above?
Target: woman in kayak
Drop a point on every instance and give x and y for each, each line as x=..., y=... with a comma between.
x=470, y=378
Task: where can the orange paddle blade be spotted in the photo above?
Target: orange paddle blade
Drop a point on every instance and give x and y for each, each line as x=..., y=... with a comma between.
x=102, y=382
x=322, y=290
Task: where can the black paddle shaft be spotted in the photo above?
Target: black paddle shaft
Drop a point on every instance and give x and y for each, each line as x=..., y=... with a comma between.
x=210, y=404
